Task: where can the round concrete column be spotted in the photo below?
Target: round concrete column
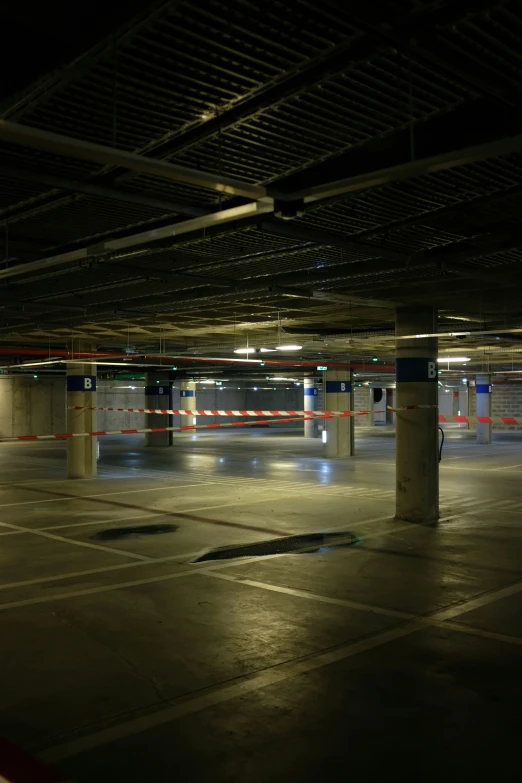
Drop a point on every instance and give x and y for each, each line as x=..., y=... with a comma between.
x=417, y=465
x=483, y=390
x=157, y=397
x=310, y=395
x=187, y=401
x=338, y=396
x=81, y=391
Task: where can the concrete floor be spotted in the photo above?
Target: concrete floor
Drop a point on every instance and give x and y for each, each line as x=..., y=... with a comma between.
x=397, y=659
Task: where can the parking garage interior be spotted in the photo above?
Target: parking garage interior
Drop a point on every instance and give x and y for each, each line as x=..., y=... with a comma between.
x=260, y=391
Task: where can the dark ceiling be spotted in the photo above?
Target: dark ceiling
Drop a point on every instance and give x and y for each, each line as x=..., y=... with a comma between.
x=284, y=98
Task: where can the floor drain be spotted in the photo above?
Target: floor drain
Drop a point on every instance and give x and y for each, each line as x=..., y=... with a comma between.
x=310, y=543
x=131, y=532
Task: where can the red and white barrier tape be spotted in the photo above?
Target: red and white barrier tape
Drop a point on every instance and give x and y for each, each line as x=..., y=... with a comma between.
x=311, y=414
x=100, y=433
x=171, y=411
x=314, y=415
x=479, y=419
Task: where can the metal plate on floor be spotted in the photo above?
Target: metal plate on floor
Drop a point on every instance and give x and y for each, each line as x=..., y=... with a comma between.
x=308, y=543
x=131, y=532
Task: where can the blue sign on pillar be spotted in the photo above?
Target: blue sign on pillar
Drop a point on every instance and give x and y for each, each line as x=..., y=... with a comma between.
x=187, y=393
x=81, y=383
x=338, y=387
x=310, y=392
x=484, y=388
x=415, y=370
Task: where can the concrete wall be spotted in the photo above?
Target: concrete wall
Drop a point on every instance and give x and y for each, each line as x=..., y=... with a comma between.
x=111, y=394
x=31, y=406
x=117, y=395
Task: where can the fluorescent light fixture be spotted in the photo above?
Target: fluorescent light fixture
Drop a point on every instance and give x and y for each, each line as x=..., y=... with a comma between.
x=288, y=347
x=454, y=359
x=249, y=349
x=324, y=436
x=279, y=378
x=205, y=381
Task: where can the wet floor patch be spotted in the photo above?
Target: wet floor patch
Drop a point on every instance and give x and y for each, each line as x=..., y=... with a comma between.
x=114, y=533
x=306, y=544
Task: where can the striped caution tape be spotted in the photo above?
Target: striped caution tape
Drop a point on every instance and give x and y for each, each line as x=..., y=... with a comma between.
x=311, y=414
x=479, y=419
x=100, y=433
x=172, y=411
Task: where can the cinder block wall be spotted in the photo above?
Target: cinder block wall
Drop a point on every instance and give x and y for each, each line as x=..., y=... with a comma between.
x=506, y=401
x=361, y=396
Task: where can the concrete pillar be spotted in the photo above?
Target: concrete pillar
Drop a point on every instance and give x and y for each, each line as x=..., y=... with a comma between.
x=187, y=401
x=390, y=416
x=338, y=396
x=456, y=403
x=310, y=396
x=417, y=465
x=158, y=397
x=81, y=390
x=483, y=389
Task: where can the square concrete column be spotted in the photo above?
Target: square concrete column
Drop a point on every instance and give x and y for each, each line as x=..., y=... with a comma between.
x=339, y=432
x=456, y=403
x=187, y=402
x=390, y=416
x=483, y=390
x=310, y=397
x=417, y=462
x=81, y=391
x=157, y=397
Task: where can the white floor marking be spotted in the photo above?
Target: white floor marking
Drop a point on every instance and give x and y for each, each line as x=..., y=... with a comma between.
x=509, y=467
x=102, y=494
x=106, y=549
x=367, y=608
x=276, y=674
x=93, y=571
x=120, y=566
x=310, y=596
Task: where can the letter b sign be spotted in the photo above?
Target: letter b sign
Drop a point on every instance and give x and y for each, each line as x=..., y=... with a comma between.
x=432, y=370
x=343, y=386
x=87, y=384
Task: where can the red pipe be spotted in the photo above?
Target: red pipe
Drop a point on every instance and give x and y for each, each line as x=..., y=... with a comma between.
x=60, y=352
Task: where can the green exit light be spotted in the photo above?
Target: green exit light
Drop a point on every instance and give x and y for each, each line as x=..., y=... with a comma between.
x=320, y=367
x=35, y=376
x=261, y=364
x=375, y=358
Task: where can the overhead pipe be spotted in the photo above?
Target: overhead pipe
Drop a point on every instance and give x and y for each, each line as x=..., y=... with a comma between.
x=11, y=350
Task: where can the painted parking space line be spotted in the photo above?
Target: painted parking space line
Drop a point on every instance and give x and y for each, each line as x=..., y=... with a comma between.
x=100, y=494
x=75, y=542
x=264, y=679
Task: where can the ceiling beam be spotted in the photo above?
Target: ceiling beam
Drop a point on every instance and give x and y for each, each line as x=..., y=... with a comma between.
x=288, y=228
x=67, y=146
x=403, y=171
x=92, y=189
x=323, y=68
x=153, y=235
